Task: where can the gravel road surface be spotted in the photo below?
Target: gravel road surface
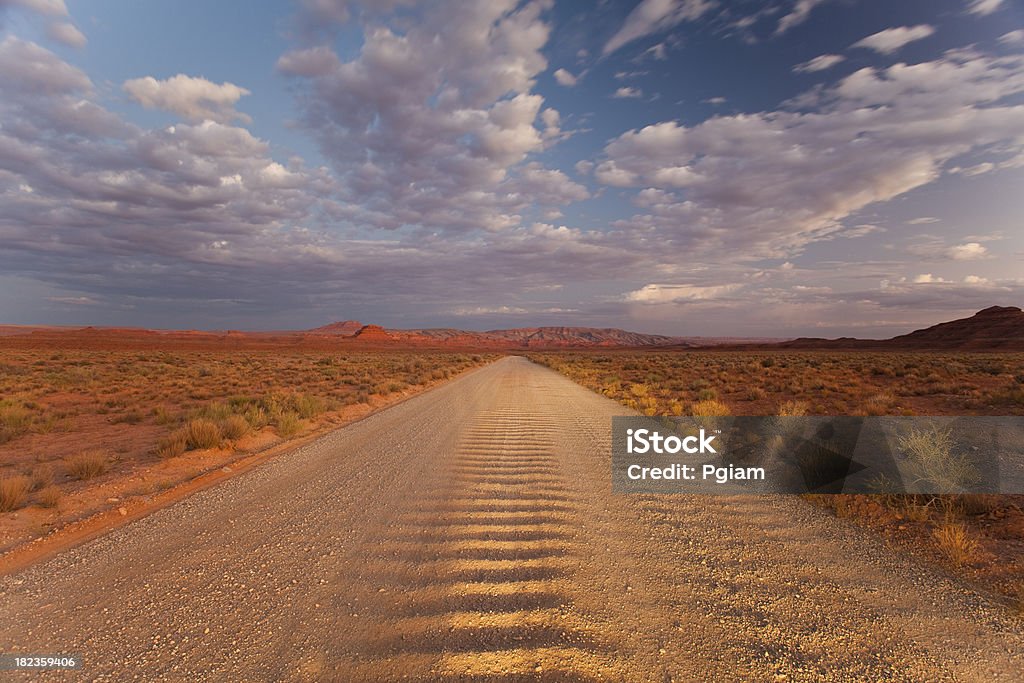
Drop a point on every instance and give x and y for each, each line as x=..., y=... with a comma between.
x=470, y=533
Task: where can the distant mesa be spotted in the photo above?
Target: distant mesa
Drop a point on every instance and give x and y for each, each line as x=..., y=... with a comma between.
x=582, y=336
x=997, y=328
x=373, y=333
x=345, y=328
x=523, y=337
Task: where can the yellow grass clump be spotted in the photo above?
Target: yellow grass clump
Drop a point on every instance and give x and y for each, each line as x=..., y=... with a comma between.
x=14, y=492
x=87, y=465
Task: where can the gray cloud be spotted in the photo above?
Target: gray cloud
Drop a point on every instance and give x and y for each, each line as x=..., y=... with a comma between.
x=983, y=7
x=796, y=16
x=653, y=16
x=58, y=28
x=67, y=33
x=819, y=63
x=429, y=128
x=50, y=8
x=196, y=214
x=766, y=184
x=192, y=98
x=892, y=39
x=440, y=200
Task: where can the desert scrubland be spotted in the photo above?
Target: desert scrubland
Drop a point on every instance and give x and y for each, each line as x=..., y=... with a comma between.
x=470, y=534
x=87, y=430
x=977, y=536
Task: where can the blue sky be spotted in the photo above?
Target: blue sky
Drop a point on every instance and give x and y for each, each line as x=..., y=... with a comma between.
x=699, y=167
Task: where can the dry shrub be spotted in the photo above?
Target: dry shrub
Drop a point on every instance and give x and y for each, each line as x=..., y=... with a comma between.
x=288, y=424
x=172, y=445
x=981, y=503
x=706, y=413
x=880, y=404
x=14, y=492
x=42, y=476
x=956, y=543
x=87, y=465
x=933, y=462
x=202, y=433
x=915, y=512
x=709, y=408
x=50, y=496
x=257, y=417
x=793, y=409
x=234, y=427
x=214, y=411
x=15, y=420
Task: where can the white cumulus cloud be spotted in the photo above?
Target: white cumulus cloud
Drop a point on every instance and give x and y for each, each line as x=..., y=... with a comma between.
x=627, y=92
x=764, y=184
x=192, y=98
x=674, y=293
x=565, y=78
x=969, y=251
x=892, y=39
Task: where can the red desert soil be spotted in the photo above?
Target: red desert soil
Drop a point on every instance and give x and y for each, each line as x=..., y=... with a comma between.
x=84, y=432
x=469, y=534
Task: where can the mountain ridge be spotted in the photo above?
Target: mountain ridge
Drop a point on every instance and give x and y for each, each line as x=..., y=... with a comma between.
x=993, y=328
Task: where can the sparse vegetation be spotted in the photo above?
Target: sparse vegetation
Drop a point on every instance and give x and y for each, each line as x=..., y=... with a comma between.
x=74, y=422
x=288, y=424
x=87, y=465
x=822, y=382
x=15, y=420
x=202, y=433
x=234, y=427
x=49, y=497
x=933, y=462
x=794, y=383
x=956, y=543
x=172, y=445
x=793, y=409
x=14, y=492
x=42, y=476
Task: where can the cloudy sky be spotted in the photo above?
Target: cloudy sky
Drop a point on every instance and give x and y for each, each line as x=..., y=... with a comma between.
x=699, y=167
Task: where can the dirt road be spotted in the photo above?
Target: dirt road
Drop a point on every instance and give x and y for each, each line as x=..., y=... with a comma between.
x=471, y=534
